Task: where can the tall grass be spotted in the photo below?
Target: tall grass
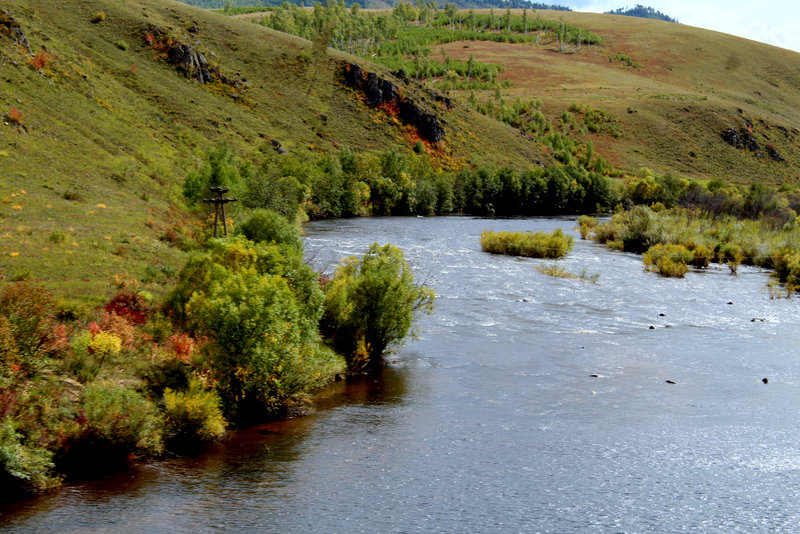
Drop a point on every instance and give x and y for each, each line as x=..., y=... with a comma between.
x=528, y=244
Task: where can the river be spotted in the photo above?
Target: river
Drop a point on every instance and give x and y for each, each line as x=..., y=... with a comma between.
x=492, y=421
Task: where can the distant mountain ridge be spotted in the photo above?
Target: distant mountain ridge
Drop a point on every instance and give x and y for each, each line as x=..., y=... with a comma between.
x=643, y=12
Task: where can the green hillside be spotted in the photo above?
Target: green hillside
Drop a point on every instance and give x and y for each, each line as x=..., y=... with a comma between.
x=101, y=129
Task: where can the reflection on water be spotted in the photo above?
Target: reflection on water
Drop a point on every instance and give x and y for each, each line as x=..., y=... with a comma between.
x=493, y=422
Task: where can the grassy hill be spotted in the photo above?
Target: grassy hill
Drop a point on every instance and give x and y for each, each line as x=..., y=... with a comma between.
x=674, y=90
x=100, y=129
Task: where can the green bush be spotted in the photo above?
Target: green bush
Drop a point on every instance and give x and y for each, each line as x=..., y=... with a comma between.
x=786, y=262
x=269, y=226
x=221, y=168
x=370, y=305
x=23, y=469
x=193, y=417
x=731, y=253
x=90, y=352
x=260, y=305
x=116, y=425
x=586, y=225
x=528, y=244
x=702, y=256
x=668, y=260
x=230, y=255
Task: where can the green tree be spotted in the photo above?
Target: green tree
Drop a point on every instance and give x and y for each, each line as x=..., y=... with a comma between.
x=370, y=305
x=450, y=9
x=269, y=226
x=221, y=168
x=525, y=20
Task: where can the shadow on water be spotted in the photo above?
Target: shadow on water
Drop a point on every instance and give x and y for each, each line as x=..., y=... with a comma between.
x=247, y=463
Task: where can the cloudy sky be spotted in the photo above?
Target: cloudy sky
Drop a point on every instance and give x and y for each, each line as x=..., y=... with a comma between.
x=776, y=22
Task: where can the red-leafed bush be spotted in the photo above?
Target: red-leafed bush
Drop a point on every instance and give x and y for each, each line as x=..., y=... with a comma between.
x=182, y=345
x=15, y=116
x=41, y=60
x=129, y=305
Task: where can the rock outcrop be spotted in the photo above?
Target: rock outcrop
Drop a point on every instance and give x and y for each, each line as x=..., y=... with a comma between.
x=11, y=27
x=193, y=63
x=381, y=92
x=745, y=139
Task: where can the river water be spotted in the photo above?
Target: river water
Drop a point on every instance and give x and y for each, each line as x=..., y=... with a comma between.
x=492, y=420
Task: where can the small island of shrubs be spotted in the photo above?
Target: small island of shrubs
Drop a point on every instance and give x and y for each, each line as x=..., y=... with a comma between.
x=528, y=244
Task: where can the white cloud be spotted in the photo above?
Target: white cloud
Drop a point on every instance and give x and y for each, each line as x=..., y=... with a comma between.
x=776, y=23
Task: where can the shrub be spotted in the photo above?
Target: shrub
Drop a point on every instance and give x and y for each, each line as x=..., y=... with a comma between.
x=259, y=305
x=182, y=345
x=253, y=320
x=14, y=116
x=529, y=244
x=23, y=469
x=28, y=323
x=120, y=327
x=122, y=45
x=129, y=305
x=668, y=260
x=702, y=256
x=41, y=60
x=221, y=168
x=99, y=16
x=116, y=424
x=786, y=262
x=370, y=305
x=731, y=253
x=192, y=417
x=269, y=226
x=586, y=225
x=90, y=350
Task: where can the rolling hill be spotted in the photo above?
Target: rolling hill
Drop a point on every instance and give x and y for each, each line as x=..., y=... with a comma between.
x=676, y=91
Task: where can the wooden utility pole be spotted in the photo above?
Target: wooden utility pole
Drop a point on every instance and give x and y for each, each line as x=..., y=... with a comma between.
x=219, y=206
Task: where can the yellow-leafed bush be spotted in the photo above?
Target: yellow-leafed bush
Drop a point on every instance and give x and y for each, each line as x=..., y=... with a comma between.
x=668, y=260
x=193, y=416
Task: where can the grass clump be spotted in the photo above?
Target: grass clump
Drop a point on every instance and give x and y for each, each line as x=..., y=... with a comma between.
x=528, y=244
x=556, y=271
x=99, y=16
